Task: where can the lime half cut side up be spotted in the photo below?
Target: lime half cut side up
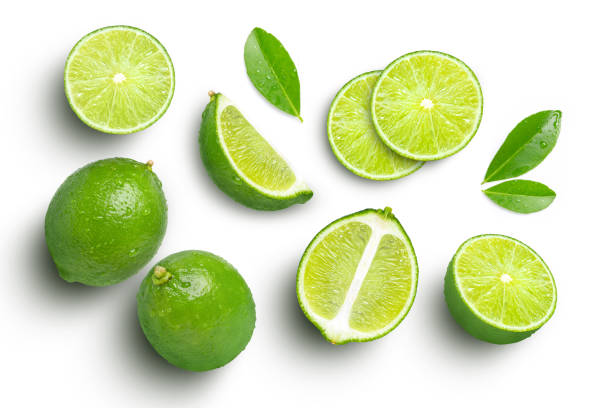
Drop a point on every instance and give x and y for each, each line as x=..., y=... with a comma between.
x=498, y=289
x=358, y=277
x=242, y=163
x=427, y=105
x=119, y=79
x=353, y=138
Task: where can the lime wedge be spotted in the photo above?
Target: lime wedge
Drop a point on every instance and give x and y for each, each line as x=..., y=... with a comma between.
x=426, y=105
x=498, y=289
x=358, y=277
x=119, y=79
x=242, y=163
x=353, y=138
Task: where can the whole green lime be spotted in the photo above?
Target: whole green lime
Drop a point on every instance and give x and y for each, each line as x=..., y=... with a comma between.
x=106, y=221
x=196, y=310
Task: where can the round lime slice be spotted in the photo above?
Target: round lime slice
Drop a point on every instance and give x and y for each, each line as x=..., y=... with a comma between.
x=242, y=163
x=353, y=138
x=358, y=277
x=498, y=289
x=426, y=105
x=119, y=79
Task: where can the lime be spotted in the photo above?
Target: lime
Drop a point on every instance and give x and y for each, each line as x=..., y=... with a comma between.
x=119, y=79
x=196, y=310
x=358, y=277
x=498, y=289
x=426, y=105
x=353, y=138
x=242, y=163
x=106, y=221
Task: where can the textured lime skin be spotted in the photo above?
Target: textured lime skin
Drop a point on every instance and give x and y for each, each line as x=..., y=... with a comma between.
x=202, y=317
x=466, y=318
x=106, y=221
x=470, y=322
x=223, y=174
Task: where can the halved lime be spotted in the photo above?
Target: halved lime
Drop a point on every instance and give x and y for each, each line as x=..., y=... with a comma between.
x=242, y=163
x=119, y=79
x=358, y=277
x=353, y=138
x=498, y=289
x=427, y=105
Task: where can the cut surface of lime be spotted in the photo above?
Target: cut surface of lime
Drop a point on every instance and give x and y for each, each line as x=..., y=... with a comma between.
x=498, y=289
x=242, y=163
x=426, y=105
x=358, y=277
x=119, y=79
x=353, y=138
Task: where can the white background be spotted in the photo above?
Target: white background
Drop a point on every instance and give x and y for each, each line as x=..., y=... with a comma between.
x=69, y=345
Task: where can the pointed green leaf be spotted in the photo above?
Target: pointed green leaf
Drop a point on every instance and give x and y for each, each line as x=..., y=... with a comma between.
x=272, y=71
x=522, y=196
x=526, y=146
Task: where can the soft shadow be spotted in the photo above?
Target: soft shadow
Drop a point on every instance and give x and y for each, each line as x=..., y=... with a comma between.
x=43, y=277
x=447, y=330
x=65, y=121
x=299, y=331
x=138, y=354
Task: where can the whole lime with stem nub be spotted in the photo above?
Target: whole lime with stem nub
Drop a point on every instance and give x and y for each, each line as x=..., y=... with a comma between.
x=196, y=310
x=106, y=221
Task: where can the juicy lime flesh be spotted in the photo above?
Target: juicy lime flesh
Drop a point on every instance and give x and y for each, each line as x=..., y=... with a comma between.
x=252, y=154
x=119, y=79
x=427, y=105
x=358, y=280
x=385, y=288
x=354, y=137
x=339, y=253
x=505, y=281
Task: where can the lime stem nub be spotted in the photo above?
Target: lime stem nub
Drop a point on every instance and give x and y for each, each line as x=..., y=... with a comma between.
x=211, y=94
x=387, y=212
x=149, y=164
x=160, y=275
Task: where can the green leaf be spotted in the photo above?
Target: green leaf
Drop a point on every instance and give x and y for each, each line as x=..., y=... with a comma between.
x=522, y=196
x=526, y=146
x=272, y=71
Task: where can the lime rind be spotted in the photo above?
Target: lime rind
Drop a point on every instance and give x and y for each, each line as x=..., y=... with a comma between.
x=476, y=323
x=443, y=154
x=229, y=177
x=410, y=165
x=97, y=126
x=381, y=221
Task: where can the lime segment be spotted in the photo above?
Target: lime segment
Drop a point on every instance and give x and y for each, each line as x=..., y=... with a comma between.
x=353, y=138
x=253, y=154
x=499, y=289
x=242, y=163
x=357, y=278
x=426, y=105
x=119, y=79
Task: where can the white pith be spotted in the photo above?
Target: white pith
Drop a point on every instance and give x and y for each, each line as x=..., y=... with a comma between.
x=497, y=324
x=338, y=329
x=297, y=187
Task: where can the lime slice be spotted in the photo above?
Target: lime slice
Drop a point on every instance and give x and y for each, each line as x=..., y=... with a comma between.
x=498, y=289
x=353, y=138
x=242, y=163
x=426, y=105
x=119, y=79
x=358, y=277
